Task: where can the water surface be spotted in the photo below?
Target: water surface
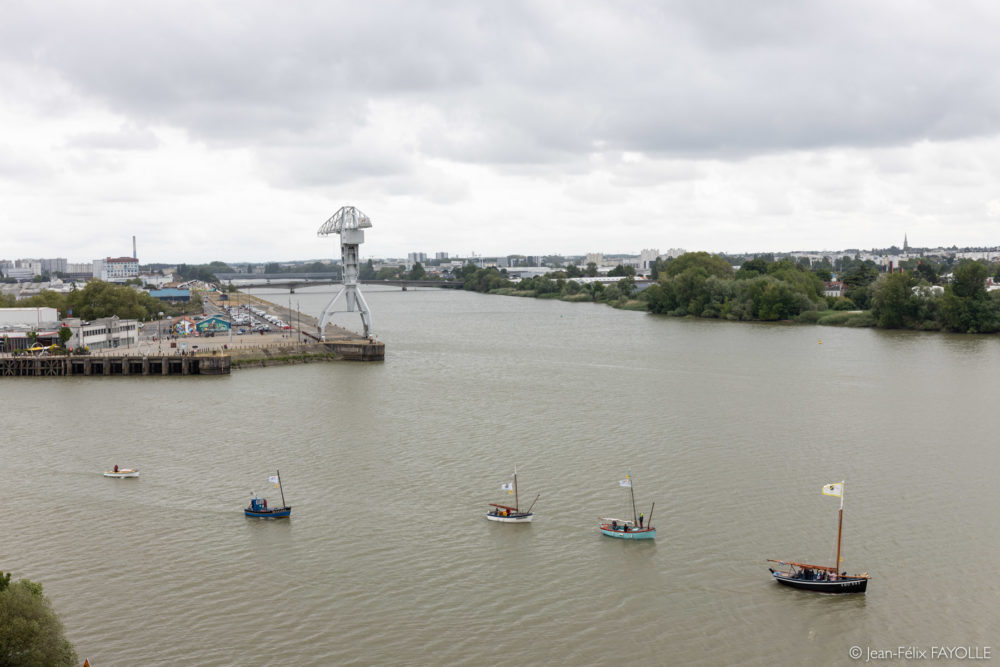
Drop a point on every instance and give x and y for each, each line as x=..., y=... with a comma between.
x=730, y=428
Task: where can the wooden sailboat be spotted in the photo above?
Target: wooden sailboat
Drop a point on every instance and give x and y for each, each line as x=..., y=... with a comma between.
x=822, y=578
x=508, y=514
x=636, y=528
x=258, y=506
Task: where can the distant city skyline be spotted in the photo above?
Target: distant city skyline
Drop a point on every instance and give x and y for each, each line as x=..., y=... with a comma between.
x=556, y=127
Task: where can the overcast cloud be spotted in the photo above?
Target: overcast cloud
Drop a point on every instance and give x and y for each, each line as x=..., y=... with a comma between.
x=232, y=130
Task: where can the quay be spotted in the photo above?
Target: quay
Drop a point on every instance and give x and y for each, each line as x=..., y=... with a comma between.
x=210, y=355
x=214, y=359
x=120, y=365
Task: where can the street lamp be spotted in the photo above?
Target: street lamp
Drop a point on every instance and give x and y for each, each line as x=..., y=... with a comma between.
x=159, y=330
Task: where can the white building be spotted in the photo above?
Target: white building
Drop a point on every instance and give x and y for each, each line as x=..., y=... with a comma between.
x=28, y=316
x=56, y=265
x=19, y=273
x=117, y=269
x=104, y=333
x=646, y=259
x=156, y=280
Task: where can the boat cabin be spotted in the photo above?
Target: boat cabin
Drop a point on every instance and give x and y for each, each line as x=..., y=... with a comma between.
x=258, y=504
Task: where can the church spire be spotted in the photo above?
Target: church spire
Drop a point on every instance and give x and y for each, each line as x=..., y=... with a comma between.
x=906, y=245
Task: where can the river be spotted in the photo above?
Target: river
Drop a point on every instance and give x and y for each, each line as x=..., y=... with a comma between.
x=731, y=428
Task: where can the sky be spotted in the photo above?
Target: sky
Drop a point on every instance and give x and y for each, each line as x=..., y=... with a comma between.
x=233, y=130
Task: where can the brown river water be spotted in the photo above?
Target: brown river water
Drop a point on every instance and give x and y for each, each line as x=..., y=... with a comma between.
x=388, y=559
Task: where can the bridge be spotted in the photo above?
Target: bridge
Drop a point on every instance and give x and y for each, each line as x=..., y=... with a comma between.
x=294, y=280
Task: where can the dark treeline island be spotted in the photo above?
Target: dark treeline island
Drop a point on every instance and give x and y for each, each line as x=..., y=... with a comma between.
x=926, y=294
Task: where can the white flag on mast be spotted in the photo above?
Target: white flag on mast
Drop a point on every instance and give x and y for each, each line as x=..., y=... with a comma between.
x=273, y=479
x=626, y=482
x=836, y=490
x=508, y=487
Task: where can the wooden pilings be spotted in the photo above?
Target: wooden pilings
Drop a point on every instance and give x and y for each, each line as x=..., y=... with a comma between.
x=122, y=366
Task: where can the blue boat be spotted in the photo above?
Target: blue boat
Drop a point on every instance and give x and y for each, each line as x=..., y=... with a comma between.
x=626, y=530
x=636, y=528
x=258, y=506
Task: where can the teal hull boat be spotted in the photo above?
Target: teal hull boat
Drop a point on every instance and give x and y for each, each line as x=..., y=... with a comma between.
x=636, y=528
x=624, y=530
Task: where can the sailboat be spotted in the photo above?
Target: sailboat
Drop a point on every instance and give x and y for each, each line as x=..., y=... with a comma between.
x=822, y=578
x=630, y=529
x=506, y=513
x=258, y=506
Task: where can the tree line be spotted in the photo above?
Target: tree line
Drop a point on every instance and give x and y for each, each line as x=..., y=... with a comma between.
x=101, y=299
x=924, y=293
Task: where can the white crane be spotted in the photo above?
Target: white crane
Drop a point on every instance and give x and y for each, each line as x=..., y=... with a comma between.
x=349, y=223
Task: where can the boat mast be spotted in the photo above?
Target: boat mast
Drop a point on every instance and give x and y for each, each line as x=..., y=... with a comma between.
x=840, y=528
x=278, y=475
x=516, y=506
x=631, y=490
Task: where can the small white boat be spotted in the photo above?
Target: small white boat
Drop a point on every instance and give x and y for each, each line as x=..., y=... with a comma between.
x=506, y=513
x=121, y=473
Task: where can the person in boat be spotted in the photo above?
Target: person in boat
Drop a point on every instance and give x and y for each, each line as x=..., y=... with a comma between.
x=116, y=467
x=640, y=519
x=614, y=525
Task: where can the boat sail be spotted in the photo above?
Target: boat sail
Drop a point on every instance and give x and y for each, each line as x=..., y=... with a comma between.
x=506, y=513
x=822, y=578
x=258, y=506
x=635, y=528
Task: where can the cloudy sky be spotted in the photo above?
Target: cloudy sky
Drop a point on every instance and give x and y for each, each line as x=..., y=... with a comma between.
x=233, y=130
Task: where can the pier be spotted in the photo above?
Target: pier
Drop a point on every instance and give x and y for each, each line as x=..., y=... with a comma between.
x=116, y=365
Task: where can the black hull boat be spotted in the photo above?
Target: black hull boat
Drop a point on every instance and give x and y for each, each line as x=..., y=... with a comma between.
x=823, y=581
x=822, y=578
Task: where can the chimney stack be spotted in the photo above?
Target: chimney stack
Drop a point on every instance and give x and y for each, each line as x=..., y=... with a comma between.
x=134, y=256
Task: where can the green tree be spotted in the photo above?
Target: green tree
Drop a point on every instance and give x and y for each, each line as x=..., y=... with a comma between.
x=709, y=265
x=367, y=271
x=595, y=290
x=484, y=280
x=101, y=299
x=627, y=284
x=30, y=631
x=966, y=306
x=622, y=270
x=778, y=301
x=389, y=273
x=591, y=270
x=928, y=272
x=417, y=272
x=752, y=268
x=893, y=303
x=64, y=335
